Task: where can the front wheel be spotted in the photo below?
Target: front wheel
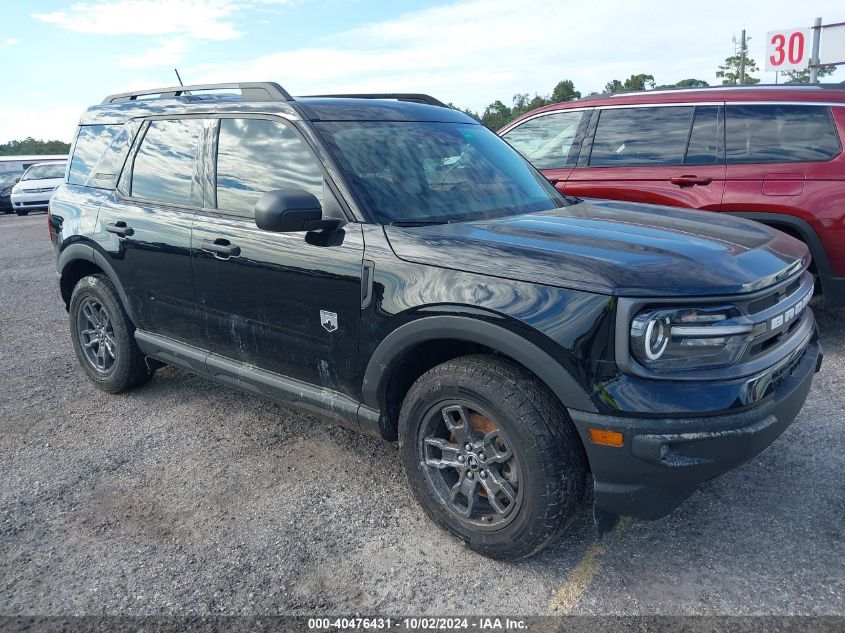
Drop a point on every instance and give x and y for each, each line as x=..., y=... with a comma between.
x=22, y=212
x=491, y=455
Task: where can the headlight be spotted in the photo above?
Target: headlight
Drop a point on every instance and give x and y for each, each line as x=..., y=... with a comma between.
x=16, y=189
x=690, y=338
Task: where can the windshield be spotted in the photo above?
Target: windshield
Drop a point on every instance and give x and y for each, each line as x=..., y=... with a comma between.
x=41, y=172
x=8, y=177
x=436, y=172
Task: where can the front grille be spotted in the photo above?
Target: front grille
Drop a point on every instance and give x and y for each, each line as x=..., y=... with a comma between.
x=774, y=297
x=778, y=314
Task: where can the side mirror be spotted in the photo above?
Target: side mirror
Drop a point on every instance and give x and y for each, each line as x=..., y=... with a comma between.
x=290, y=211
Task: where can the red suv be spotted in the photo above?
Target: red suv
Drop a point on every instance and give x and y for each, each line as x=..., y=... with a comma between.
x=768, y=153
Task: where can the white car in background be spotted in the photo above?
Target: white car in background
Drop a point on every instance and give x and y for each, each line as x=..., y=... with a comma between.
x=36, y=186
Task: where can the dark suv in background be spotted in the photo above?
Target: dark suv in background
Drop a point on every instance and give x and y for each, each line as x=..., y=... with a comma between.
x=767, y=153
x=388, y=263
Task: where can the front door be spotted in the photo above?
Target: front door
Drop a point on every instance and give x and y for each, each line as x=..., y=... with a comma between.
x=668, y=155
x=282, y=302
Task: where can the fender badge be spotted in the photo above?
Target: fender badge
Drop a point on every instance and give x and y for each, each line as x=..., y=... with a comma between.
x=329, y=320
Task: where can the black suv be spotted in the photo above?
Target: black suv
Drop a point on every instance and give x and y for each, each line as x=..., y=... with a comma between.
x=387, y=262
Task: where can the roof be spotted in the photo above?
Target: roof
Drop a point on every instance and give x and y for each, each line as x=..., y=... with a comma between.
x=270, y=98
x=827, y=93
x=30, y=157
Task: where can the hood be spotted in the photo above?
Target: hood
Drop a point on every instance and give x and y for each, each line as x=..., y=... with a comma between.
x=612, y=247
x=41, y=183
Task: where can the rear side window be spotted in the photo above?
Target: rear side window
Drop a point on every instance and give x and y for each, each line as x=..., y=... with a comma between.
x=107, y=169
x=91, y=142
x=547, y=140
x=780, y=134
x=164, y=167
x=258, y=155
x=642, y=136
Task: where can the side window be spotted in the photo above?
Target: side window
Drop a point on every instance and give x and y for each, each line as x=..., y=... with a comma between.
x=105, y=172
x=779, y=134
x=164, y=165
x=259, y=155
x=703, y=147
x=641, y=136
x=546, y=141
x=91, y=142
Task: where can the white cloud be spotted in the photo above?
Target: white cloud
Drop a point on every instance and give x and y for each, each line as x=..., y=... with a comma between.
x=167, y=53
x=11, y=42
x=199, y=19
x=473, y=52
x=56, y=122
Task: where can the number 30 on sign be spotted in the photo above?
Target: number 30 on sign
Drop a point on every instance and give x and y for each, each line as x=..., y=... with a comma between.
x=789, y=49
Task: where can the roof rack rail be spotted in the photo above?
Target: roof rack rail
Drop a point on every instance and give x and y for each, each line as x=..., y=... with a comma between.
x=820, y=86
x=251, y=91
x=398, y=96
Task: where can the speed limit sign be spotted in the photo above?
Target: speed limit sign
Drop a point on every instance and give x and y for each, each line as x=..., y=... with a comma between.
x=789, y=49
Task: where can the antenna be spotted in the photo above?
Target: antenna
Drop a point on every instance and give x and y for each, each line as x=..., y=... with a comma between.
x=176, y=70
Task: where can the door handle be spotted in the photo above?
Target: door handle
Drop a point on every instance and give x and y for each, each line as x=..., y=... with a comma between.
x=119, y=228
x=221, y=248
x=690, y=181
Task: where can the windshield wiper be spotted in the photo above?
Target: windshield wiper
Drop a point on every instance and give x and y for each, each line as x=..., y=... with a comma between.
x=419, y=222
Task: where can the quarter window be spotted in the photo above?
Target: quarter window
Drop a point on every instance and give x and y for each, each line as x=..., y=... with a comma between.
x=641, y=136
x=547, y=140
x=105, y=172
x=91, y=142
x=164, y=165
x=780, y=134
x=259, y=155
x=703, y=148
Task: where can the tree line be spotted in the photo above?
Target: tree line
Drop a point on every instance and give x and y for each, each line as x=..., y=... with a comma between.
x=30, y=146
x=497, y=114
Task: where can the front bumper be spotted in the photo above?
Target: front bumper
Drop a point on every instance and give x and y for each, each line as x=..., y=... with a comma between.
x=662, y=461
x=31, y=200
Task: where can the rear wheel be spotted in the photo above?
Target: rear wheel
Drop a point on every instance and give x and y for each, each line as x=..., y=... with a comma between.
x=104, y=337
x=491, y=456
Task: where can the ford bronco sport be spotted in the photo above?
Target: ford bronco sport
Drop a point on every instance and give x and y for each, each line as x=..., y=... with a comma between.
x=388, y=263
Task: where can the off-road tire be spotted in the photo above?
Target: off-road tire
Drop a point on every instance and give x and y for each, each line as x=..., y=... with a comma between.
x=539, y=433
x=129, y=369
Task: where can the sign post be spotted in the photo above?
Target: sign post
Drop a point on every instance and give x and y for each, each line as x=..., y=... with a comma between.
x=814, y=62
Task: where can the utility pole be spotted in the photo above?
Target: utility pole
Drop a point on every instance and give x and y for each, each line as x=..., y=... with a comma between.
x=814, y=60
x=742, y=59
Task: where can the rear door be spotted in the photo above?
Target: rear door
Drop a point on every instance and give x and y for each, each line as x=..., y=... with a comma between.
x=550, y=141
x=779, y=157
x=145, y=229
x=668, y=155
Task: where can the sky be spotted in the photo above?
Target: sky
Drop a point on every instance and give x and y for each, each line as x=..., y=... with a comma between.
x=58, y=57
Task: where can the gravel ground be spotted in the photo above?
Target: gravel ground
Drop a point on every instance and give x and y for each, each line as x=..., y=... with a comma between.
x=186, y=497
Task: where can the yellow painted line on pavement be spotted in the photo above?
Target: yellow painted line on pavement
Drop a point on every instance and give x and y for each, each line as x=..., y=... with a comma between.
x=582, y=575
